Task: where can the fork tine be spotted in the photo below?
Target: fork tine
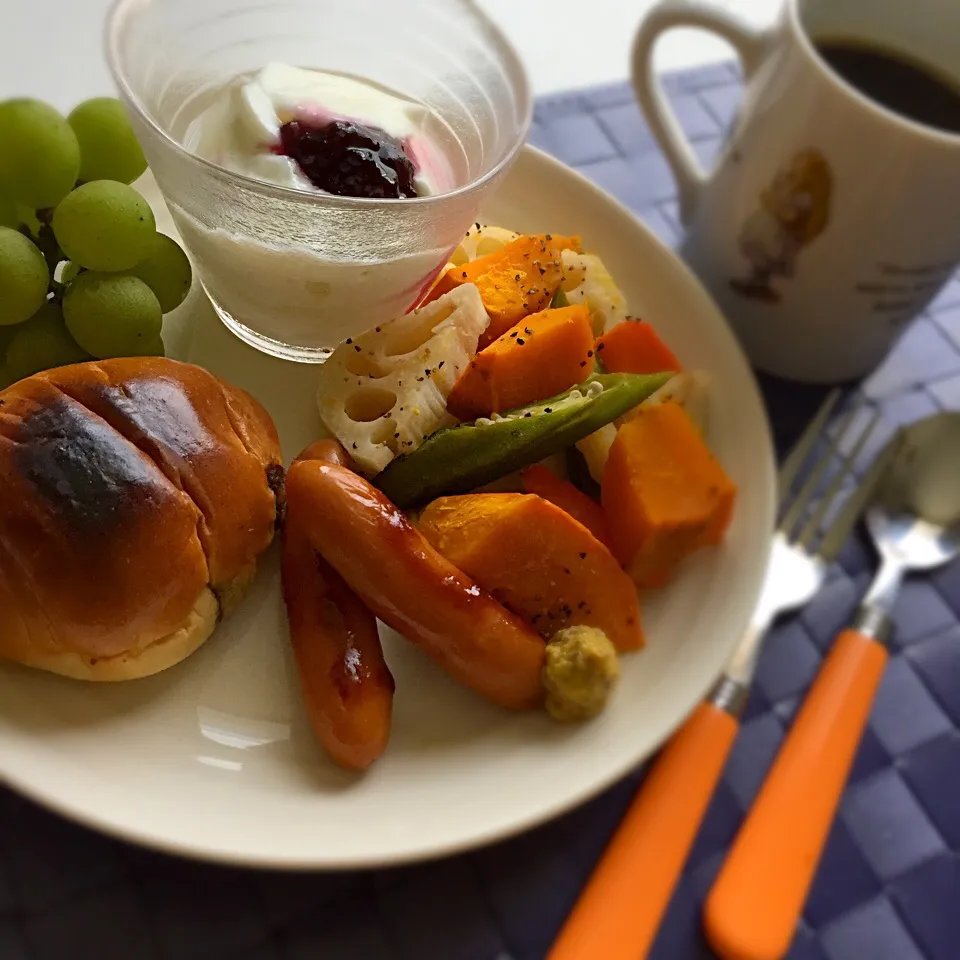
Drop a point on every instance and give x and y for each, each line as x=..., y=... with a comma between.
x=805, y=494
x=838, y=531
x=813, y=524
x=801, y=450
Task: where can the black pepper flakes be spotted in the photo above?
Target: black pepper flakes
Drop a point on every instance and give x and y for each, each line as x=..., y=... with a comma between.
x=517, y=278
x=583, y=363
x=420, y=379
x=354, y=445
x=441, y=363
x=600, y=346
x=528, y=414
x=583, y=556
x=589, y=353
x=581, y=605
x=357, y=347
x=349, y=340
x=548, y=409
x=396, y=436
x=376, y=329
x=464, y=274
x=520, y=341
x=515, y=333
x=566, y=570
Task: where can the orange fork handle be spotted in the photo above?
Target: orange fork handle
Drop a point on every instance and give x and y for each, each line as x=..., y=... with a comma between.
x=752, y=911
x=619, y=911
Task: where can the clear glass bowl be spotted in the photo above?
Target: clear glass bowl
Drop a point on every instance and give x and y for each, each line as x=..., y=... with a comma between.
x=294, y=272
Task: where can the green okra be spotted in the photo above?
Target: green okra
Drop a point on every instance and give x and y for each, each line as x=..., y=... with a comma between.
x=461, y=458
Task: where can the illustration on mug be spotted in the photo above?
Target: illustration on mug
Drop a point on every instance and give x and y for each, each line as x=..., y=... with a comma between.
x=793, y=212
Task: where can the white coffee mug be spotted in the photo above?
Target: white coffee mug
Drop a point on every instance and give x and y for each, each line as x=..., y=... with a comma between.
x=829, y=220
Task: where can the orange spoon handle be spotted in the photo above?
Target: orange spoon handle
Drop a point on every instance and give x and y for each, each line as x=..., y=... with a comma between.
x=753, y=908
x=619, y=910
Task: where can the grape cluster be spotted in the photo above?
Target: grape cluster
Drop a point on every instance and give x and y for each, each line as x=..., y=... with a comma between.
x=83, y=271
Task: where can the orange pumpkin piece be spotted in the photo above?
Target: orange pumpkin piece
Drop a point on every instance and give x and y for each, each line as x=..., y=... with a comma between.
x=541, y=356
x=537, y=561
x=515, y=281
x=545, y=483
x=633, y=346
x=664, y=493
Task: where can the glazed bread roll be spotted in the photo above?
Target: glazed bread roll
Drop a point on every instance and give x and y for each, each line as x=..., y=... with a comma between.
x=135, y=498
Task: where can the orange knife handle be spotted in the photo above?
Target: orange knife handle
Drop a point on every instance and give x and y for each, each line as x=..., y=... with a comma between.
x=752, y=910
x=619, y=911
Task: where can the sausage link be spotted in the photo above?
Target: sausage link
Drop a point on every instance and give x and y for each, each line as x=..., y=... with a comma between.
x=346, y=684
x=409, y=585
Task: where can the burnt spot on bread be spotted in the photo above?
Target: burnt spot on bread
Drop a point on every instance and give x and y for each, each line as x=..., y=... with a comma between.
x=276, y=481
x=185, y=427
x=92, y=479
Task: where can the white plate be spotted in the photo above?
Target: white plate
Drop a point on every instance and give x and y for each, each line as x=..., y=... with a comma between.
x=214, y=758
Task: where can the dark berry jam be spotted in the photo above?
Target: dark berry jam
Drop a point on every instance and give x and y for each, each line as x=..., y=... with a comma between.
x=349, y=159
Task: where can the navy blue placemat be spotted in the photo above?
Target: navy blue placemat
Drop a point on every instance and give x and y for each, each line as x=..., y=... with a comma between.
x=889, y=884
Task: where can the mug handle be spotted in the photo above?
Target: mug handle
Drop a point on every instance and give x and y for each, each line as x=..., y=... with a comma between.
x=750, y=44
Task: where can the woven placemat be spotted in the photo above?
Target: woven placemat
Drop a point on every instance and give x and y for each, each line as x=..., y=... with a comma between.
x=889, y=885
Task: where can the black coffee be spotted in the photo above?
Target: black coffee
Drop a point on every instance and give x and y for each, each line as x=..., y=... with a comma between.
x=895, y=81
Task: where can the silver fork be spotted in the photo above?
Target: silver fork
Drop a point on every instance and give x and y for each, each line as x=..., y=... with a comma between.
x=801, y=553
x=651, y=844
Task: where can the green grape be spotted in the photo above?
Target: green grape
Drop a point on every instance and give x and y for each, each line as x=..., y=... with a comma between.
x=24, y=277
x=108, y=146
x=154, y=348
x=8, y=213
x=166, y=271
x=111, y=315
x=28, y=217
x=42, y=343
x=39, y=153
x=105, y=225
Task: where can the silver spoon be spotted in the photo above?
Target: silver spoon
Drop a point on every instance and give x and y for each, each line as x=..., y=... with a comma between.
x=756, y=901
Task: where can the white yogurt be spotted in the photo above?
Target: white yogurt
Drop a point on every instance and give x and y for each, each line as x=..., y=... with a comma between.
x=240, y=130
x=283, y=274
